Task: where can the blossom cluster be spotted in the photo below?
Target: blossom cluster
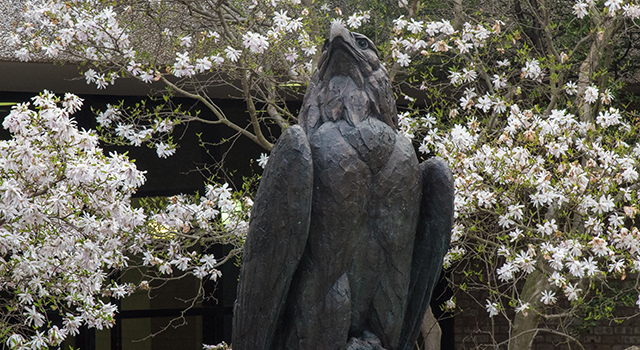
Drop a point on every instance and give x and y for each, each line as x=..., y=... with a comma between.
x=67, y=221
x=119, y=125
x=554, y=193
x=216, y=218
x=441, y=36
x=54, y=26
x=220, y=210
x=97, y=34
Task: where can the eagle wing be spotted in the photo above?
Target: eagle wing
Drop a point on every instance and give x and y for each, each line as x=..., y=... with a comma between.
x=275, y=242
x=432, y=242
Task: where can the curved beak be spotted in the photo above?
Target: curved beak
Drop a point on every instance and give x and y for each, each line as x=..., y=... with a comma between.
x=338, y=30
x=340, y=46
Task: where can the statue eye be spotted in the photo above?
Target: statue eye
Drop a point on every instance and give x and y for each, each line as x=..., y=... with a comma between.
x=362, y=43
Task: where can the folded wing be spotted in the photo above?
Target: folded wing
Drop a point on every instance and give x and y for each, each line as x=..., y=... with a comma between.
x=432, y=242
x=275, y=242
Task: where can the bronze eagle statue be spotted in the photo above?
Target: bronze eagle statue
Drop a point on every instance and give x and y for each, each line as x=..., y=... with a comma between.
x=348, y=230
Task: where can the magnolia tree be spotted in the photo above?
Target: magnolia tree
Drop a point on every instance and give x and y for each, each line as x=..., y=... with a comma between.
x=67, y=223
x=520, y=96
x=545, y=167
x=545, y=217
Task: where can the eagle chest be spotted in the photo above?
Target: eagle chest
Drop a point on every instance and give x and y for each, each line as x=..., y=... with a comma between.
x=367, y=174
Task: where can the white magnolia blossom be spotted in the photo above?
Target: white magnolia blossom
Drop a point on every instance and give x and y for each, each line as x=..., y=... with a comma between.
x=403, y=59
x=262, y=161
x=492, y=308
x=255, y=42
x=591, y=94
x=631, y=11
x=399, y=23
x=406, y=124
x=455, y=77
x=182, y=67
x=232, y=54
x=450, y=304
x=357, y=19
x=548, y=297
x=523, y=307
x=280, y=19
x=571, y=88
x=414, y=26
x=613, y=5
x=580, y=9
x=532, y=70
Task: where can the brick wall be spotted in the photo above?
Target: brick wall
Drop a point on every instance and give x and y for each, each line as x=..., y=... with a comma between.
x=475, y=330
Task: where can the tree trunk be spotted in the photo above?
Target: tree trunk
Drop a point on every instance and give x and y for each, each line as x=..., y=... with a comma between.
x=430, y=331
x=522, y=331
x=609, y=26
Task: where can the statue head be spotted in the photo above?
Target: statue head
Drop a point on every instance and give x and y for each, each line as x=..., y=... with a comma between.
x=349, y=84
x=348, y=54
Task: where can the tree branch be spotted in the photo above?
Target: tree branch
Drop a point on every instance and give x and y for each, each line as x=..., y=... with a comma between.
x=255, y=123
x=545, y=330
x=215, y=109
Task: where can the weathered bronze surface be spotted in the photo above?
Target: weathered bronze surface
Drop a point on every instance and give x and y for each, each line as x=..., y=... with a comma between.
x=348, y=231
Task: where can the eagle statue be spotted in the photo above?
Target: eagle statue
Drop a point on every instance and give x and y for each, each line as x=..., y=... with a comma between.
x=348, y=231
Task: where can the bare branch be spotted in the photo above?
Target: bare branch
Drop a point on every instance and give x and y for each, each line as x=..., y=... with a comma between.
x=218, y=112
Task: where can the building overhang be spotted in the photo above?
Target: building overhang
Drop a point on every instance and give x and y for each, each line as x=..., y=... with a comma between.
x=59, y=78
